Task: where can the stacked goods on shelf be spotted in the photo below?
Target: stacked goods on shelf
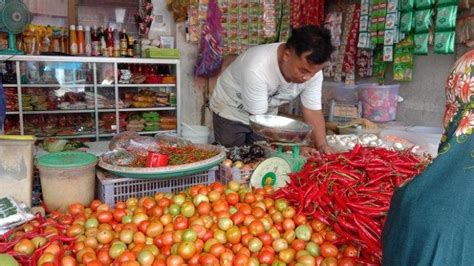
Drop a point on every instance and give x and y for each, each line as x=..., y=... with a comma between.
x=135, y=123
x=168, y=122
x=26, y=100
x=107, y=122
x=11, y=98
x=11, y=125
x=152, y=121
x=58, y=124
x=146, y=98
x=73, y=101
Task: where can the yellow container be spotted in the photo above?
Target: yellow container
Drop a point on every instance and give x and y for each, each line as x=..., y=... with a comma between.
x=67, y=177
x=16, y=167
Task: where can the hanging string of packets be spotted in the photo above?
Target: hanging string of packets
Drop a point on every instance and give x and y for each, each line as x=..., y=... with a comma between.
x=379, y=25
x=417, y=16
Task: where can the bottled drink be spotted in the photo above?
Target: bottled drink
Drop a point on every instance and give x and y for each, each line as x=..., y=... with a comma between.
x=88, y=41
x=116, y=43
x=95, y=39
x=72, y=40
x=109, y=39
x=80, y=40
x=123, y=43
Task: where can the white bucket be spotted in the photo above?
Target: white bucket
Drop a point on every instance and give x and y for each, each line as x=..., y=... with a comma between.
x=195, y=133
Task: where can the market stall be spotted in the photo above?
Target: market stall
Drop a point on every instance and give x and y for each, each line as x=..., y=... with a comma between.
x=108, y=152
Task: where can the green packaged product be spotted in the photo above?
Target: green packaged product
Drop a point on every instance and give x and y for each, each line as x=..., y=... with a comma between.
x=423, y=20
x=380, y=66
x=403, y=60
x=446, y=17
x=406, y=5
x=421, y=43
x=423, y=3
x=444, y=42
x=406, y=21
x=447, y=2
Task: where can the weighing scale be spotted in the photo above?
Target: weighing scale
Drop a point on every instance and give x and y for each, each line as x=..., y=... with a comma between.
x=283, y=132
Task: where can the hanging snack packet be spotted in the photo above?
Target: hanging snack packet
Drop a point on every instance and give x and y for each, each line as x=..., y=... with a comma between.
x=421, y=44
x=446, y=17
x=406, y=22
x=423, y=20
x=403, y=60
x=444, y=42
x=407, y=5
x=423, y=3
x=447, y=2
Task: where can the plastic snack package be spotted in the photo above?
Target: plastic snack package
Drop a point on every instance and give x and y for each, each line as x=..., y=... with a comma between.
x=446, y=17
x=423, y=20
x=423, y=3
x=421, y=43
x=444, y=42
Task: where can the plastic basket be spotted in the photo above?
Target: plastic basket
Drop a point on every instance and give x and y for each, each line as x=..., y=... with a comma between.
x=111, y=188
x=379, y=102
x=227, y=174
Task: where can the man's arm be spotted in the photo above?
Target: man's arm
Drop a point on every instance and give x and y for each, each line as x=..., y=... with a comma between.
x=316, y=119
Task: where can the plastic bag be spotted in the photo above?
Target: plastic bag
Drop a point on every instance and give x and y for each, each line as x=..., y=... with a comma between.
x=211, y=56
x=421, y=44
x=407, y=5
x=446, y=17
x=119, y=157
x=423, y=3
x=444, y=42
x=423, y=20
x=12, y=214
x=406, y=22
x=121, y=139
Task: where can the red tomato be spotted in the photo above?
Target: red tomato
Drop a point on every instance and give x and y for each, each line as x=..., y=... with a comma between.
x=180, y=222
x=174, y=260
x=119, y=214
x=346, y=262
x=232, y=198
x=266, y=238
x=104, y=216
x=329, y=250
x=76, y=208
x=350, y=252
x=266, y=257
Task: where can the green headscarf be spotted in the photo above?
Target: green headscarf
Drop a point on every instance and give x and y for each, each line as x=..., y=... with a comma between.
x=431, y=219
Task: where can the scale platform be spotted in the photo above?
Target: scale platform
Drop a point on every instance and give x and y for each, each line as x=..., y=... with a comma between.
x=283, y=132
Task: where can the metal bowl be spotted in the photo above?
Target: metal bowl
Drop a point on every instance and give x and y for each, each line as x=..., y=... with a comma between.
x=280, y=129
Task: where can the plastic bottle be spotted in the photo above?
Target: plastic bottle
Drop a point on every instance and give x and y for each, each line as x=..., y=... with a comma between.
x=95, y=42
x=72, y=40
x=80, y=40
x=88, y=41
x=109, y=39
x=116, y=43
x=123, y=43
x=130, y=46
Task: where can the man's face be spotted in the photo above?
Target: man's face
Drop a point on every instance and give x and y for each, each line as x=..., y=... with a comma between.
x=297, y=69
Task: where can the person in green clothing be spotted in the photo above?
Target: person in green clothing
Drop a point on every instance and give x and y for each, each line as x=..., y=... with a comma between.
x=430, y=221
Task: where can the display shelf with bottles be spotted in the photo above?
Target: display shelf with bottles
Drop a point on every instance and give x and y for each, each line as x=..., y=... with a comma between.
x=90, y=97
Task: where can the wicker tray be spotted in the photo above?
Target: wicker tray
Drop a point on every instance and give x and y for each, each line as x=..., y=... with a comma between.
x=168, y=171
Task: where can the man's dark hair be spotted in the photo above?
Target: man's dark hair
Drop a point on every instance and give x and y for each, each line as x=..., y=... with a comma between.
x=316, y=40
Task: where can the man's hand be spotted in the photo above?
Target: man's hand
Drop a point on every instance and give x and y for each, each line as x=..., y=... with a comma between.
x=307, y=152
x=326, y=149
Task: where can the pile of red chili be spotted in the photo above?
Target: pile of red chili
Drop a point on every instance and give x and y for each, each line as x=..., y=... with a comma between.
x=351, y=192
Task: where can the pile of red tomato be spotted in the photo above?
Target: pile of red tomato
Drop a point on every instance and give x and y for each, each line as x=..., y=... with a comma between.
x=206, y=225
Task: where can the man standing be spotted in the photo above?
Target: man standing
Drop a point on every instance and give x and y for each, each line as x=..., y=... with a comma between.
x=267, y=76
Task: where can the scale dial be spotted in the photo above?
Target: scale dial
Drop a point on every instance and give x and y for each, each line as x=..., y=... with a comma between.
x=273, y=171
